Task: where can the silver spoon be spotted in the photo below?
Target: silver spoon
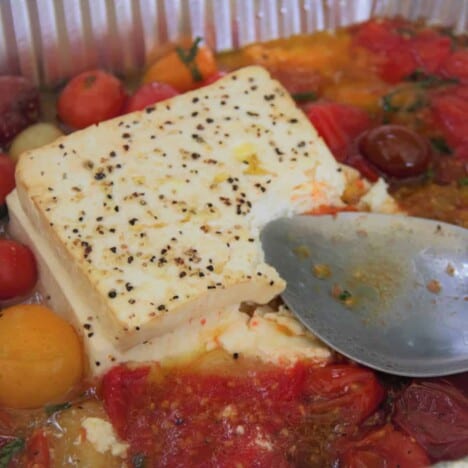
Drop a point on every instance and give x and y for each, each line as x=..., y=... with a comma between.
x=390, y=292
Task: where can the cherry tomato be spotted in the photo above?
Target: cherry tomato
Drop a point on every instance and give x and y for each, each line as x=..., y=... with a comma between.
x=7, y=177
x=430, y=49
x=90, y=97
x=450, y=110
x=338, y=125
x=18, y=273
x=213, y=78
x=41, y=357
x=385, y=447
x=364, y=167
x=456, y=66
x=148, y=94
x=396, y=150
x=37, y=451
x=354, y=390
x=435, y=413
x=19, y=106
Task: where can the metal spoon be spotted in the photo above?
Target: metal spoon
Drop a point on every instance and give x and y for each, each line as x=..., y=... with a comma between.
x=390, y=292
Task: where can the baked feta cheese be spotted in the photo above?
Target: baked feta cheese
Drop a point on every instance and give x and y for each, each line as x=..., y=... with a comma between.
x=155, y=216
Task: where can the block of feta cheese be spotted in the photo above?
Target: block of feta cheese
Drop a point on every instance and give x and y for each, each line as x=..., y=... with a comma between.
x=154, y=216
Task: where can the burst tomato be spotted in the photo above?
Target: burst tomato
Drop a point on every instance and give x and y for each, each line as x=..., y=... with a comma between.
x=338, y=125
x=385, y=447
x=435, y=413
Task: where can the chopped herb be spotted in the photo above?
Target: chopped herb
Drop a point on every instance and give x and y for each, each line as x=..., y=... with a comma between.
x=441, y=145
x=387, y=104
x=51, y=409
x=424, y=80
x=463, y=182
x=344, y=295
x=188, y=58
x=138, y=460
x=8, y=451
x=307, y=96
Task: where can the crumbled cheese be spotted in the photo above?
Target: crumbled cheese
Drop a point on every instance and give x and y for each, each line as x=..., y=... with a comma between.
x=103, y=438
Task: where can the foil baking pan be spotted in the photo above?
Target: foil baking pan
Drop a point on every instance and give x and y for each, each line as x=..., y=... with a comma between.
x=51, y=40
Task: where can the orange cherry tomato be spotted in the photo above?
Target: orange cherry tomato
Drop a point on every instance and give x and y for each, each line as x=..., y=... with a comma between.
x=41, y=357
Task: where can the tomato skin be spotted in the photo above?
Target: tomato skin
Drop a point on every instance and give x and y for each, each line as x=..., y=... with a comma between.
x=449, y=111
x=148, y=94
x=355, y=390
x=37, y=451
x=435, y=413
x=456, y=66
x=396, y=150
x=89, y=98
x=7, y=177
x=384, y=448
x=119, y=386
x=398, y=64
x=338, y=125
x=18, y=272
x=213, y=78
x=430, y=50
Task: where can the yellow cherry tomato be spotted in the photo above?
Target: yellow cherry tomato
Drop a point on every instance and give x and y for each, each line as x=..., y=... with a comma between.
x=41, y=356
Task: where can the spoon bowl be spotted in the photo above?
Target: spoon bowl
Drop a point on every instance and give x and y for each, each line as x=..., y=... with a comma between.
x=387, y=291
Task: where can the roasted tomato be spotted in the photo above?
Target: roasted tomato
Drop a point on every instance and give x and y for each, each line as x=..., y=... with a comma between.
x=41, y=357
x=90, y=97
x=19, y=106
x=37, y=451
x=338, y=125
x=435, y=413
x=385, y=447
x=148, y=94
x=18, y=273
x=396, y=150
x=7, y=177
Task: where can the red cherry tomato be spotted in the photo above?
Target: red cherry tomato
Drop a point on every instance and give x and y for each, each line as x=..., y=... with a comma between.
x=148, y=94
x=450, y=110
x=37, y=451
x=19, y=106
x=89, y=98
x=435, y=413
x=456, y=66
x=396, y=150
x=213, y=78
x=18, y=273
x=7, y=177
x=353, y=390
x=430, y=49
x=338, y=125
x=385, y=447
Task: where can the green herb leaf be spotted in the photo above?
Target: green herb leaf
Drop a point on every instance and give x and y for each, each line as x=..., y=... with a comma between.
x=463, y=182
x=8, y=451
x=387, y=104
x=424, y=80
x=138, y=460
x=344, y=295
x=51, y=409
x=188, y=58
x=441, y=145
x=307, y=96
